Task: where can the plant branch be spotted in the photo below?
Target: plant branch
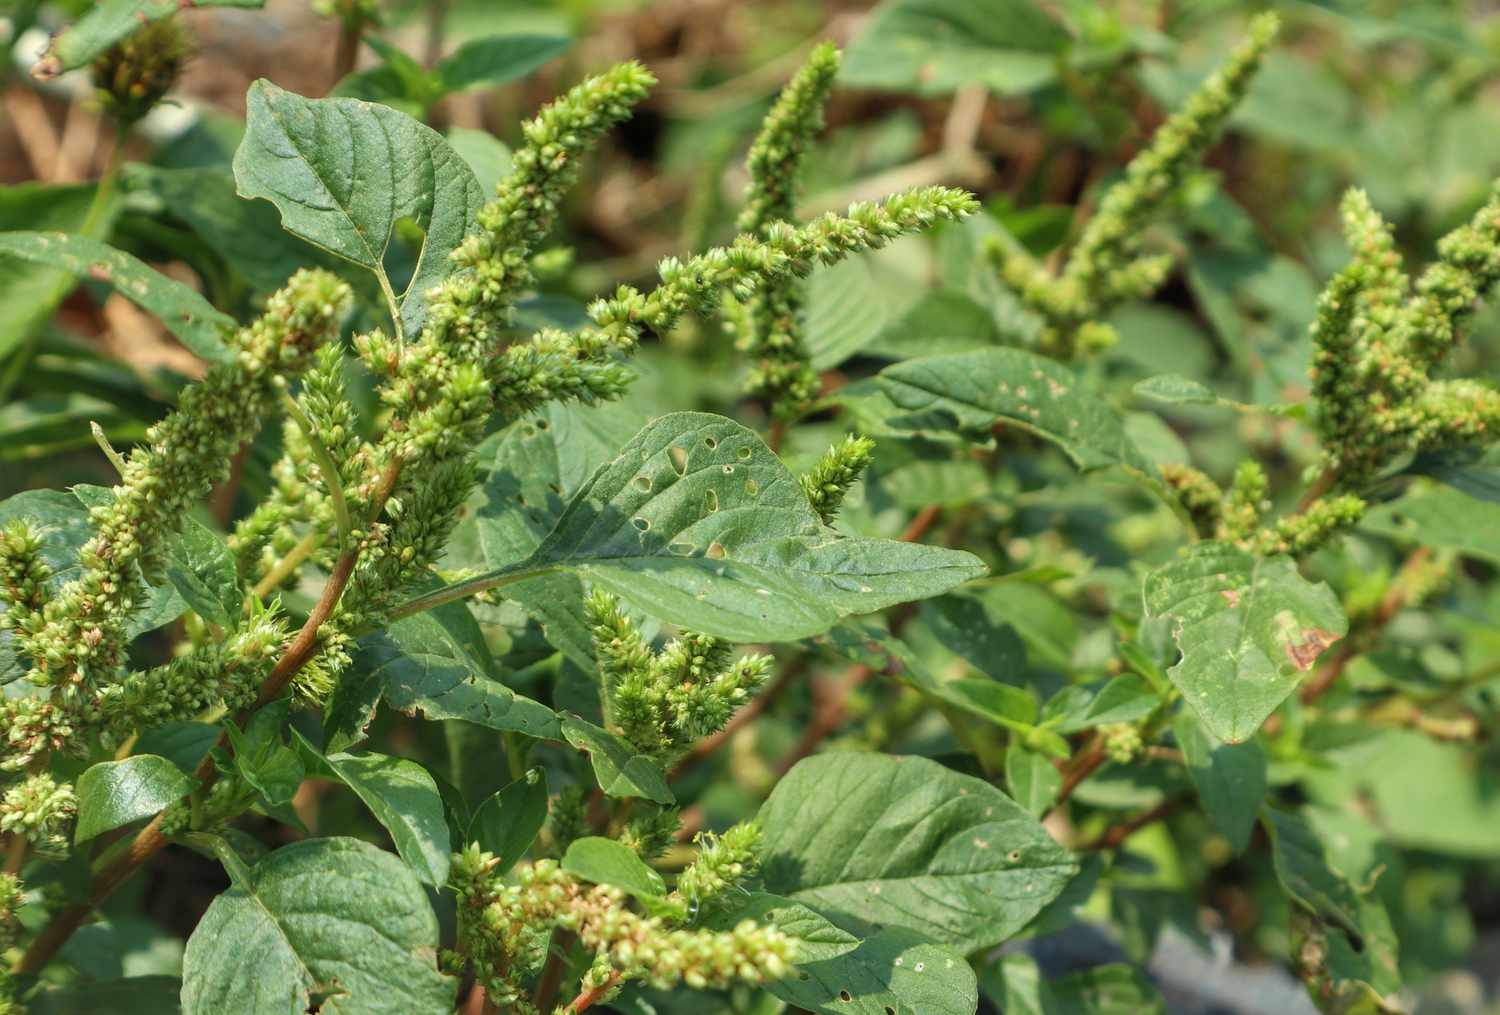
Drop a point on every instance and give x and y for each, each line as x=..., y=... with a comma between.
x=589, y=997
x=1114, y=837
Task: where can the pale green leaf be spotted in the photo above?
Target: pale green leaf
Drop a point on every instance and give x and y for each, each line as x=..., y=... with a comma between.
x=874, y=840
x=935, y=46
x=607, y=862
x=185, y=314
x=344, y=173
x=1033, y=779
x=1446, y=517
x=332, y=923
x=972, y=392
x=115, y=793
x=1176, y=390
x=1248, y=627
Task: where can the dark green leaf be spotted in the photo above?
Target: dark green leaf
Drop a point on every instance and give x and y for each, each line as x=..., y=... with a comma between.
x=31, y=291
x=185, y=314
x=202, y=570
x=496, y=59
x=108, y=22
x=507, y=823
x=870, y=839
x=1230, y=778
x=344, y=173
x=267, y=764
x=115, y=793
x=1033, y=779
x=697, y=521
x=1447, y=518
x=403, y=798
x=136, y=995
x=335, y=919
x=620, y=771
x=435, y=663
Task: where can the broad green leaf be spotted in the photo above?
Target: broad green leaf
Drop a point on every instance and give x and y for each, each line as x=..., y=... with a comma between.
x=262, y=759
x=48, y=424
x=182, y=743
x=484, y=153
x=620, y=771
x=942, y=322
x=507, y=823
x=108, y=22
x=1248, y=627
x=894, y=970
x=1441, y=797
x=1032, y=778
x=134, y=995
x=935, y=46
x=1447, y=518
x=332, y=923
x=607, y=862
x=344, y=173
x=875, y=840
x=115, y=793
x=696, y=521
x=1015, y=984
x=1303, y=870
x=496, y=59
x=1176, y=390
x=1230, y=778
x=185, y=314
x=30, y=291
x=202, y=570
x=435, y=663
x=403, y=798
x=972, y=392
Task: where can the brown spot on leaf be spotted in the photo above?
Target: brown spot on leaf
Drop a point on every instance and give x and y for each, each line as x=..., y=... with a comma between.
x=1305, y=652
x=99, y=272
x=1231, y=596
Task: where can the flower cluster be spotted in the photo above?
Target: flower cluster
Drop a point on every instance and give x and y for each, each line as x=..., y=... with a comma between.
x=1106, y=266
x=830, y=478
x=723, y=863
x=500, y=920
x=662, y=702
x=135, y=73
x=1377, y=339
x=75, y=639
x=767, y=323
x=40, y=809
x=1236, y=515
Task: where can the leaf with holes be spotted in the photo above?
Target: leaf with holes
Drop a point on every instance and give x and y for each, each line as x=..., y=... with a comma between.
x=1248, y=627
x=332, y=924
x=874, y=841
x=972, y=392
x=344, y=173
x=893, y=971
x=696, y=521
x=178, y=306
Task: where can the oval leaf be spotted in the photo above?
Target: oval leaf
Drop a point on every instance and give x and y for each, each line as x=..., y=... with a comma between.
x=115, y=793
x=607, y=862
x=508, y=822
x=335, y=920
x=344, y=172
x=874, y=840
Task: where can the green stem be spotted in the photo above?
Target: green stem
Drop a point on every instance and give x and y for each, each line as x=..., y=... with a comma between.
x=462, y=590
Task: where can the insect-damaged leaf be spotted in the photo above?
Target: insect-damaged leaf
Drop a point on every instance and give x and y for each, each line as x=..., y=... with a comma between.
x=1249, y=627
